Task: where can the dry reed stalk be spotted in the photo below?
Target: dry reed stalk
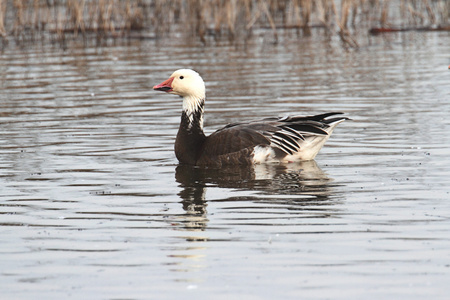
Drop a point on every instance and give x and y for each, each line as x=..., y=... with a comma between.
x=306, y=12
x=2, y=18
x=107, y=23
x=403, y=12
x=248, y=4
x=341, y=22
x=354, y=9
x=293, y=14
x=384, y=14
x=325, y=10
x=93, y=17
x=60, y=26
x=217, y=16
x=128, y=13
x=75, y=10
x=265, y=10
x=199, y=20
x=416, y=14
x=253, y=20
x=195, y=16
x=35, y=14
x=231, y=17
x=430, y=12
x=345, y=11
x=134, y=17
x=444, y=10
x=283, y=11
x=19, y=24
x=171, y=11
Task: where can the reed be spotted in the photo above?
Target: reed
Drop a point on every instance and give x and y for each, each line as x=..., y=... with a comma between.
x=2, y=18
x=212, y=19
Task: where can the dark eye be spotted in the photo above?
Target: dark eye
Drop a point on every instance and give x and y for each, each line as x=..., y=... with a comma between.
x=181, y=77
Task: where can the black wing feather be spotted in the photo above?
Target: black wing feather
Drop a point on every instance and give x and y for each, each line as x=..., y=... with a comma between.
x=237, y=140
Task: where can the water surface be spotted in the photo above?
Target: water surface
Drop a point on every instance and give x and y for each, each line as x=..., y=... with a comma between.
x=93, y=204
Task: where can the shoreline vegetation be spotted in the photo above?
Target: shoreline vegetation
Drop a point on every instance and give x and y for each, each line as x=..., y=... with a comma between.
x=212, y=20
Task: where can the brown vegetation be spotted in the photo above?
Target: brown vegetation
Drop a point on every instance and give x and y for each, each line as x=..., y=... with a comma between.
x=206, y=19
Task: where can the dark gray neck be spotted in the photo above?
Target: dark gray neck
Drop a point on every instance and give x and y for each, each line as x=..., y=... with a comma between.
x=190, y=137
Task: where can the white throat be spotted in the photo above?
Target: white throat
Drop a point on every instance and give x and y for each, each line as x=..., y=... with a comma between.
x=191, y=106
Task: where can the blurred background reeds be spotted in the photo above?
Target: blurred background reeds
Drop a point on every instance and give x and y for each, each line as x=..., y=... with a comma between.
x=204, y=20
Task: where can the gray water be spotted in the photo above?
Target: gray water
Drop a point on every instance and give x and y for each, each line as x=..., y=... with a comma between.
x=93, y=204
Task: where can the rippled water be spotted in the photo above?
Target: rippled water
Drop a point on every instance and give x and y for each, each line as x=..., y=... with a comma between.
x=93, y=204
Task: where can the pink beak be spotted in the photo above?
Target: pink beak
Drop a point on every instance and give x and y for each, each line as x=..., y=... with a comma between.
x=165, y=86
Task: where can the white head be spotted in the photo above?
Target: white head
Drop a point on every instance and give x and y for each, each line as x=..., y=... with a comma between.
x=185, y=83
x=189, y=85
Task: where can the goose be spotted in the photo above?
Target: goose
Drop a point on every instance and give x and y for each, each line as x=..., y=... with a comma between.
x=278, y=139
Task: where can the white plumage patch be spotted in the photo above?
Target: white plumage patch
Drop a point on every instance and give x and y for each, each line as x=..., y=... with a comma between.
x=262, y=154
x=191, y=105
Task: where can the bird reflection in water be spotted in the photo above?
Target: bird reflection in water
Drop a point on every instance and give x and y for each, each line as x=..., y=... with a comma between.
x=296, y=186
x=304, y=179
